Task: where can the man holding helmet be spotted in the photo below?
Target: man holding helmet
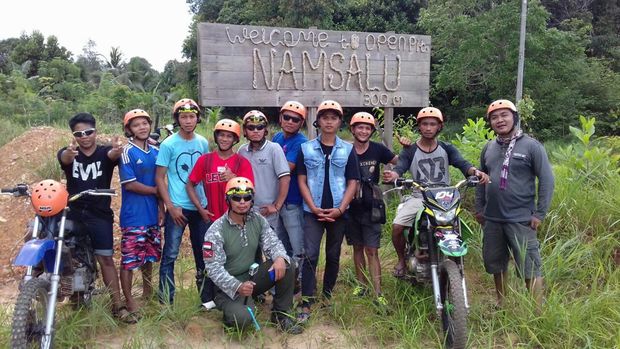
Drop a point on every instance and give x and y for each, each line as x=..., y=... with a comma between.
x=364, y=232
x=177, y=155
x=229, y=250
x=508, y=206
x=427, y=160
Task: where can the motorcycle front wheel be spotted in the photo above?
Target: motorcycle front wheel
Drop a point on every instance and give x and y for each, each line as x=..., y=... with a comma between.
x=28, y=328
x=454, y=313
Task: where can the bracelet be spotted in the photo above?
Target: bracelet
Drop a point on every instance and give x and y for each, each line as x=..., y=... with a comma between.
x=339, y=210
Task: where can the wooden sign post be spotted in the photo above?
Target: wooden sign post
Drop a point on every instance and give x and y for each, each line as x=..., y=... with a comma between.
x=254, y=66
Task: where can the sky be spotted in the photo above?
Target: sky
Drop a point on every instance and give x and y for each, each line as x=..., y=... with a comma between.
x=152, y=29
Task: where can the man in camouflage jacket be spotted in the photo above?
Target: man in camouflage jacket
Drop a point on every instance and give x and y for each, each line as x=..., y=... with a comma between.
x=229, y=250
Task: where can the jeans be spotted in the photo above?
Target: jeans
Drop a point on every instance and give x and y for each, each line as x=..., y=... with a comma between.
x=313, y=234
x=172, y=242
x=290, y=231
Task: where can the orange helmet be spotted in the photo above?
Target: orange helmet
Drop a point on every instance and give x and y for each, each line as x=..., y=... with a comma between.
x=501, y=104
x=362, y=118
x=430, y=112
x=256, y=117
x=227, y=125
x=239, y=184
x=136, y=113
x=48, y=198
x=295, y=107
x=329, y=105
x=185, y=105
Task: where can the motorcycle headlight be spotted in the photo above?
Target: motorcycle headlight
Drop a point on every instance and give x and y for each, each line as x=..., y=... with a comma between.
x=444, y=217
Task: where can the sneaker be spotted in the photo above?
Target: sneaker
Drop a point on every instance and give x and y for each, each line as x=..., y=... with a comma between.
x=303, y=317
x=208, y=305
x=381, y=301
x=359, y=291
x=285, y=323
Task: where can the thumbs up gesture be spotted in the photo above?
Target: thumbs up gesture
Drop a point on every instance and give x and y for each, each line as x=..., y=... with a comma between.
x=228, y=174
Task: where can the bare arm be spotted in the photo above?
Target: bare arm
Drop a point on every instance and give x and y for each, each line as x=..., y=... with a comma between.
x=348, y=194
x=140, y=188
x=305, y=193
x=283, y=184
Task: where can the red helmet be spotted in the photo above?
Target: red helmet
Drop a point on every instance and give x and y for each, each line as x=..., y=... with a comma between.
x=294, y=107
x=136, y=113
x=430, y=112
x=49, y=198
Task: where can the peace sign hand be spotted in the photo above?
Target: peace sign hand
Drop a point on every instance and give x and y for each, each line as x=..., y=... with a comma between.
x=71, y=150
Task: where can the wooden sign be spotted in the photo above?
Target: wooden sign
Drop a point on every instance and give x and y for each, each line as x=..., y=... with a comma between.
x=266, y=66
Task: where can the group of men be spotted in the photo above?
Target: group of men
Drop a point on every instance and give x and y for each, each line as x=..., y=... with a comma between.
x=276, y=199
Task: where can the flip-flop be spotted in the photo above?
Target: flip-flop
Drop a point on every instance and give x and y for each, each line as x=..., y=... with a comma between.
x=399, y=272
x=126, y=316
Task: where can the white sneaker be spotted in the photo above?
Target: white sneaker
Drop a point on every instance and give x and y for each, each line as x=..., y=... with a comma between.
x=209, y=305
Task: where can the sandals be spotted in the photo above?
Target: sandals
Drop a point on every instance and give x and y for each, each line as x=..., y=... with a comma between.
x=399, y=272
x=303, y=317
x=126, y=316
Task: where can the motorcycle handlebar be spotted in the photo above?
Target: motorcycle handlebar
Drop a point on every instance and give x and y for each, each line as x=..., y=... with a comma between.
x=18, y=190
x=93, y=192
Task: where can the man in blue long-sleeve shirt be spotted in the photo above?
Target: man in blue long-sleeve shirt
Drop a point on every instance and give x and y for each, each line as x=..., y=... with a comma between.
x=507, y=206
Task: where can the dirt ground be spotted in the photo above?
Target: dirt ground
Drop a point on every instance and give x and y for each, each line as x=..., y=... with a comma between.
x=25, y=160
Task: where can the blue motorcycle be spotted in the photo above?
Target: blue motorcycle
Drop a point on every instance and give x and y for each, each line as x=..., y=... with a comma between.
x=59, y=263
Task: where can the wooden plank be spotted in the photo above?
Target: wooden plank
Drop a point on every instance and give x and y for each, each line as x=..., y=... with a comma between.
x=264, y=66
x=388, y=127
x=310, y=123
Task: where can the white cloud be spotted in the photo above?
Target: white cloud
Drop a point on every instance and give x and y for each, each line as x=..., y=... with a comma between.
x=154, y=30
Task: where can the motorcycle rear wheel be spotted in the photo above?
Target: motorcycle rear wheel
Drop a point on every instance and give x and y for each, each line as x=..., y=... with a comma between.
x=454, y=312
x=29, y=315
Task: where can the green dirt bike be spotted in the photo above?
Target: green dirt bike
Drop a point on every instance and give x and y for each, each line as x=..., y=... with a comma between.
x=435, y=250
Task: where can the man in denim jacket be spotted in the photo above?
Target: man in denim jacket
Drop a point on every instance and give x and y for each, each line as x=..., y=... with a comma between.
x=328, y=173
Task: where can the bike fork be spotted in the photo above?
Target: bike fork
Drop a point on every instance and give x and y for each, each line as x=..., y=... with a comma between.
x=462, y=267
x=35, y=232
x=436, y=291
x=55, y=280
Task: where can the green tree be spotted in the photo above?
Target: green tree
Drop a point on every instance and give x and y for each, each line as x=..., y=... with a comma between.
x=30, y=50
x=475, y=53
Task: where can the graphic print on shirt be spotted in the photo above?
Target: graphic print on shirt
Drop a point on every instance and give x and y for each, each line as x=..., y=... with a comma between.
x=92, y=170
x=431, y=169
x=184, y=164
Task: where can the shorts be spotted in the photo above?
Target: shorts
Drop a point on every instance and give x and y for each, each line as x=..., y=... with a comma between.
x=361, y=231
x=99, y=227
x=140, y=245
x=407, y=211
x=501, y=239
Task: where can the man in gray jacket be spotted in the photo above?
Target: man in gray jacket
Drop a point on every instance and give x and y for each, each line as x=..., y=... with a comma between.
x=507, y=206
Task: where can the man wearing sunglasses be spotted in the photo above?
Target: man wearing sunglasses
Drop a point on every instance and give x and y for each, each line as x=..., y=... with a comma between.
x=271, y=172
x=229, y=250
x=88, y=165
x=290, y=232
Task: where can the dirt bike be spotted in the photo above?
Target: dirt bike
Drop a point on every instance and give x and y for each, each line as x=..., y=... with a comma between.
x=60, y=263
x=435, y=248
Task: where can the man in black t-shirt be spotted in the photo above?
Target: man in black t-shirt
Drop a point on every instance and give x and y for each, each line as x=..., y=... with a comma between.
x=90, y=166
x=363, y=233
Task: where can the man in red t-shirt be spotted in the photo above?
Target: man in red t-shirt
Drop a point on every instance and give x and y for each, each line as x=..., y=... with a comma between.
x=216, y=168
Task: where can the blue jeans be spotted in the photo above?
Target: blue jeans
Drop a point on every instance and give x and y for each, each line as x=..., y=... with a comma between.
x=290, y=231
x=313, y=234
x=172, y=242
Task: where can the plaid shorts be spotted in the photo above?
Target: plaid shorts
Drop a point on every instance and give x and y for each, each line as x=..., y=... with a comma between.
x=140, y=245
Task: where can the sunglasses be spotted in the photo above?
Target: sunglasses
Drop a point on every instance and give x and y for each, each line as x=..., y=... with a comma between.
x=87, y=132
x=255, y=127
x=238, y=197
x=291, y=118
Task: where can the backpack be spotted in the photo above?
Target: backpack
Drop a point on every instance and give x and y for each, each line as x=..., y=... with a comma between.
x=374, y=199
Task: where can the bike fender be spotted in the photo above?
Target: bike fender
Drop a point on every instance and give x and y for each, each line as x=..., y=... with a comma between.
x=466, y=231
x=452, y=249
x=34, y=251
x=415, y=222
